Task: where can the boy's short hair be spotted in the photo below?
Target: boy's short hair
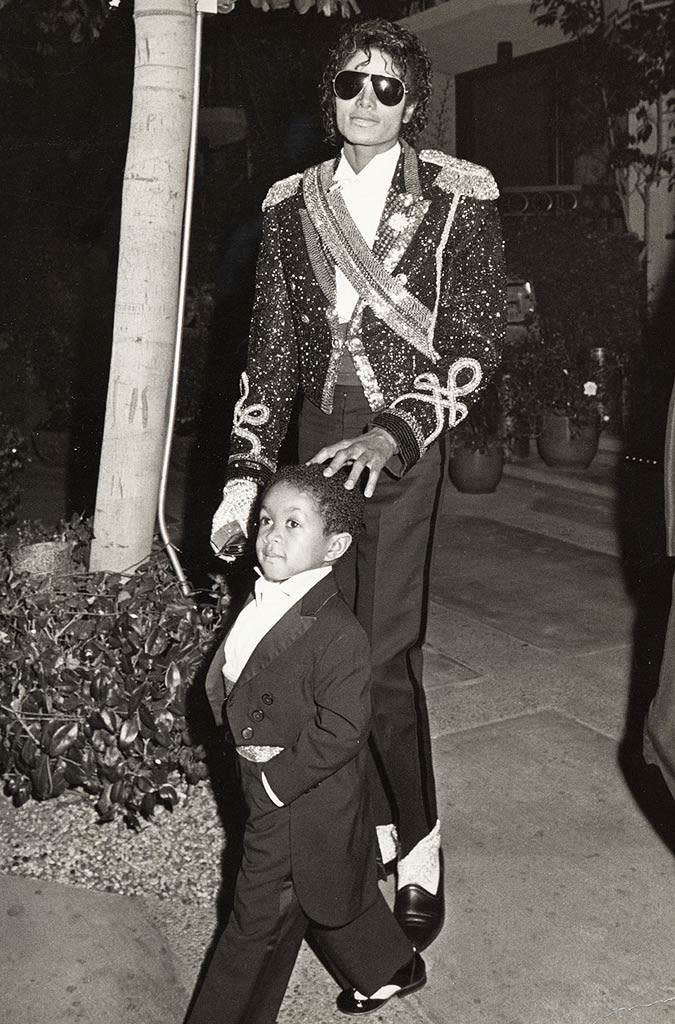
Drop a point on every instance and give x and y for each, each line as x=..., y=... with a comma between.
x=340, y=509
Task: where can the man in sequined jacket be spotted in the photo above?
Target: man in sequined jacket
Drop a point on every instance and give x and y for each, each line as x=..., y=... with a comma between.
x=380, y=296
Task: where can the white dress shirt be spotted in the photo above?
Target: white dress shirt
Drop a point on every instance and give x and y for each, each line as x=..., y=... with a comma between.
x=364, y=194
x=255, y=620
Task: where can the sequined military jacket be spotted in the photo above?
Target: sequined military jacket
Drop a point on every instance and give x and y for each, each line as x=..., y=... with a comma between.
x=427, y=328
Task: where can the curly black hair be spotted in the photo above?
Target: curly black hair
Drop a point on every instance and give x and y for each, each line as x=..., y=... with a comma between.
x=410, y=60
x=340, y=509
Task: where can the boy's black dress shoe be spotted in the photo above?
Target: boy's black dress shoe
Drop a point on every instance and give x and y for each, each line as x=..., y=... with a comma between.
x=408, y=978
x=420, y=913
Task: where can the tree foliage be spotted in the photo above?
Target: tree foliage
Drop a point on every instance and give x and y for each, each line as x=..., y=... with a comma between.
x=631, y=58
x=31, y=28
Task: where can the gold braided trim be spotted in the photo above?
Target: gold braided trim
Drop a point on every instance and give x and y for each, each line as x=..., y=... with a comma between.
x=444, y=399
x=323, y=272
x=398, y=308
x=362, y=364
x=281, y=190
x=461, y=175
x=246, y=416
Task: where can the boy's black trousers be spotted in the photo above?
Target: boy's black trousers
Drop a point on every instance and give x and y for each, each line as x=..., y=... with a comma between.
x=251, y=965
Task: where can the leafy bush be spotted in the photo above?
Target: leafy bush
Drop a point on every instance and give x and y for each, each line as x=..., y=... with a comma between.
x=481, y=430
x=12, y=456
x=93, y=684
x=547, y=373
x=588, y=289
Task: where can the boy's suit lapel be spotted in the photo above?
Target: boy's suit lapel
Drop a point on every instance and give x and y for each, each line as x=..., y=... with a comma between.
x=288, y=629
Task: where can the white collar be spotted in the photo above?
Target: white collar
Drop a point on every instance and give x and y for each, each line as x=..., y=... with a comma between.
x=287, y=591
x=376, y=176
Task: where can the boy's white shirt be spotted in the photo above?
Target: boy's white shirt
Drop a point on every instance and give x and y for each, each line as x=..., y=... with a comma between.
x=255, y=620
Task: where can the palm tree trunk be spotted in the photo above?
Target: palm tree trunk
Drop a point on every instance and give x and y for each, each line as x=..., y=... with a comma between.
x=147, y=284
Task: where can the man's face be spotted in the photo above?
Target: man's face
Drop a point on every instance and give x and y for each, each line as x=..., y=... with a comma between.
x=364, y=121
x=291, y=535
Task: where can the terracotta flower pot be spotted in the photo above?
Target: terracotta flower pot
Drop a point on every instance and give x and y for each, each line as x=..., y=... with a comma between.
x=49, y=556
x=474, y=471
x=564, y=444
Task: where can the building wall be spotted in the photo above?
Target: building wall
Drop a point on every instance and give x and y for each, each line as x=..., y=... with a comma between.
x=462, y=35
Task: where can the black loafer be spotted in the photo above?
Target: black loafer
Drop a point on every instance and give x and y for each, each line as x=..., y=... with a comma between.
x=408, y=978
x=420, y=913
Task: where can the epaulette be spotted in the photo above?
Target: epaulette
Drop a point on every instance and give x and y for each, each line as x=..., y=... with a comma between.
x=461, y=175
x=281, y=190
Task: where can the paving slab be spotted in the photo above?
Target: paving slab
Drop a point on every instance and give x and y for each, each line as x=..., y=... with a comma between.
x=560, y=894
x=73, y=955
x=548, y=592
x=477, y=673
x=578, y=516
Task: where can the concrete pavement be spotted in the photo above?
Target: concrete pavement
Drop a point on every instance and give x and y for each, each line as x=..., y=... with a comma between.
x=560, y=889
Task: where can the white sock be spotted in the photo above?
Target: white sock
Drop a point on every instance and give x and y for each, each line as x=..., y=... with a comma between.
x=387, y=840
x=382, y=993
x=422, y=866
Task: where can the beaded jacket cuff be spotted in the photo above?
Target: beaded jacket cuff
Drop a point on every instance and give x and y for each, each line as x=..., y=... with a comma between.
x=408, y=447
x=241, y=468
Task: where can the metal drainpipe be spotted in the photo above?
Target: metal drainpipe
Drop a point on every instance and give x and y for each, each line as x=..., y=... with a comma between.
x=171, y=550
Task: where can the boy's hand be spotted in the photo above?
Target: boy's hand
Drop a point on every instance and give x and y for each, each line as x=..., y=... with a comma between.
x=370, y=451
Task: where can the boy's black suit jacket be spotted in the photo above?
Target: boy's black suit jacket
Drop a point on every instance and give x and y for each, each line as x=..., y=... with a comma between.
x=306, y=688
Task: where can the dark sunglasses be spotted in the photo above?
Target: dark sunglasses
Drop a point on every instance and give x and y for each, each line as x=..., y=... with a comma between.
x=389, y=91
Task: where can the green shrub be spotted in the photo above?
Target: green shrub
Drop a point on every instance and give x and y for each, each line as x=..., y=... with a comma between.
x=481, y=430
x=94, y=676
x=589, y=294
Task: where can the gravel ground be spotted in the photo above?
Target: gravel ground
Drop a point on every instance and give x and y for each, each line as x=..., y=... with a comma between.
x=176, y=856
x=173, y=864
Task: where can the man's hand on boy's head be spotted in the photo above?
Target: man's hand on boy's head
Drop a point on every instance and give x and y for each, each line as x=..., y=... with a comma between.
x=370, y=451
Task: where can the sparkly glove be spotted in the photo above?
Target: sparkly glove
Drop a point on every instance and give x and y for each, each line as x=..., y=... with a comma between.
x=239, y=497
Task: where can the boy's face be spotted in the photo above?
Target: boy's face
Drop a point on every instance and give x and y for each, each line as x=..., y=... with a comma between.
x=291, y=535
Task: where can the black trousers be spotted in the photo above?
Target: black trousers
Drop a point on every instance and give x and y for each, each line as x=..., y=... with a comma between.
x=386, y=578
x=252, y=962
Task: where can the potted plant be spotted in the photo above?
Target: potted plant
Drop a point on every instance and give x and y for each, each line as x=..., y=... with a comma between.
x=570, y=370
x=549, y=389
x=41, y=548
x=476, y=447
x=586, y=328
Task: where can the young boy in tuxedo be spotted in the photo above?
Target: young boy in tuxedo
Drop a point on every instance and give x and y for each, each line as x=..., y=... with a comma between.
x=292, y=679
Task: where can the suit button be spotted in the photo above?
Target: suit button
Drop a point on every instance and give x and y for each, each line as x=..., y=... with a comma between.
x=257, y=715
x=267, y=698
x=247, y=733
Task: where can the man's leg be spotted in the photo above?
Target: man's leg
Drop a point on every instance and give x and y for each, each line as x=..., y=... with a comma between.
x=393, y=555
x=393, y=561
x=390, y=584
